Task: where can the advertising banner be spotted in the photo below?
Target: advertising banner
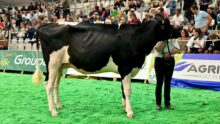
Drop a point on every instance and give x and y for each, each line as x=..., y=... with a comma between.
x=20, y=60
x=197, y=70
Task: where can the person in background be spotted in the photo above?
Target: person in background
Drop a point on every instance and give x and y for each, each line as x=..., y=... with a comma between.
x=210, y=11
x=196, y=43
x=173, y=7
x=118, y=4
x=3, y=42
x=61, y=19
x=95, y=7
x=102, y=6
x=108, y=20
x=122, y=20
x=138, y=4
x=204, y=4
x=186, y=9
x=66, y=8
x=18, y=19
x=164, y=66
x=142, y=10
x=22, y=31
x=108, y=11
x=147, y=18
x=1, y=18
x=163, y=13
x=134, y=20
x=45, y=21
x=54, y=19
x=132, y=5
x=183, y=39
x=201, y=18
x=213, y=46
x=57, y=10
x=69, y=19
x=82, y=13
x=115, y=13
x=92, y=12
x=205, y=33
x=94, y=17
x=114, y=20
x=218, y=21
x=216, y=47
x=190, y=28
x=217, y=4
x=102, y=13
x=31, y=18
x=98, y=20
x=31, y=30
x=7, y=26
x=14, y=28
x=122, y=14
x=130, y=12
x=31, y=7
x=23, y=8
x=178, y=20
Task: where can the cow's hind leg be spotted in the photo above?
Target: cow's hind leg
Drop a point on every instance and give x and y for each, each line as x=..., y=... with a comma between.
x=53, y=68
x=126, y=81
x=56, y=89
x=123, y=97
x=49, y=89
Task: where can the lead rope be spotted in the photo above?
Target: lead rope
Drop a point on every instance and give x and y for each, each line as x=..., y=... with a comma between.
x=169, y=51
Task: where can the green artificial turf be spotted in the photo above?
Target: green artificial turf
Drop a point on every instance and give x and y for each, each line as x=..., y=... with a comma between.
x=99, y=102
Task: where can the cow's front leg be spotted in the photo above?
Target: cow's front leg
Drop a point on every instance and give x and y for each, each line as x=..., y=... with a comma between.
x=126, y=81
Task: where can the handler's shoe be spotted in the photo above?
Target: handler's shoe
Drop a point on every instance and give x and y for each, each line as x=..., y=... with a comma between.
x=170, y=107
x=158, y=107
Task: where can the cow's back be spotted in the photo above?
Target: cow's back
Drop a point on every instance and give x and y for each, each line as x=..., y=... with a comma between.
x=90, y=47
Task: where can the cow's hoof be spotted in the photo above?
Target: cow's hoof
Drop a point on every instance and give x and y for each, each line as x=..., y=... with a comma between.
x=54, y=113
x=130, y=115
x=59, y=106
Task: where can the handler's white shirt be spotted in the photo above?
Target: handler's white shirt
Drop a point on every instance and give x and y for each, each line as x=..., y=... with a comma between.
x=173, y=43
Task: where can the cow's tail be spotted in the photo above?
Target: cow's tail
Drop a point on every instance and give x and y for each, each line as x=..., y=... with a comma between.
x=38, y=75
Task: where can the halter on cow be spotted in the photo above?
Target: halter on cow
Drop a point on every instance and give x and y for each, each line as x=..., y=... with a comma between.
x=95, y=48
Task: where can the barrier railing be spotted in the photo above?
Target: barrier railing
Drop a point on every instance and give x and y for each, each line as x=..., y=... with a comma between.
x=20, y=43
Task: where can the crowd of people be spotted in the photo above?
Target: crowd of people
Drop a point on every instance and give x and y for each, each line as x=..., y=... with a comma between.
x=195, y=20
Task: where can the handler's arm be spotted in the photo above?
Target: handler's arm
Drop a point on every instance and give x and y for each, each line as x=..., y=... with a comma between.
x=160, y=45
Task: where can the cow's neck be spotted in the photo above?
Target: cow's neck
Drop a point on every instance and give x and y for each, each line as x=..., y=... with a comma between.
x=149, y=36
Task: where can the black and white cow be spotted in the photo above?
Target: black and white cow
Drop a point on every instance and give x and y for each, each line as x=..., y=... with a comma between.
x=95, y=48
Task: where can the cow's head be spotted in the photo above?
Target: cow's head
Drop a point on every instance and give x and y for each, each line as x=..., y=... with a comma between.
x=166, y=30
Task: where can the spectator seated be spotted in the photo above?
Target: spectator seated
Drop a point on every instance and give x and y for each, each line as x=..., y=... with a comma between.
x=3, y=43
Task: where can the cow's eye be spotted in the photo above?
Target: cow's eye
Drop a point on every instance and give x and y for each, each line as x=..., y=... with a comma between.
x=162, y=27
